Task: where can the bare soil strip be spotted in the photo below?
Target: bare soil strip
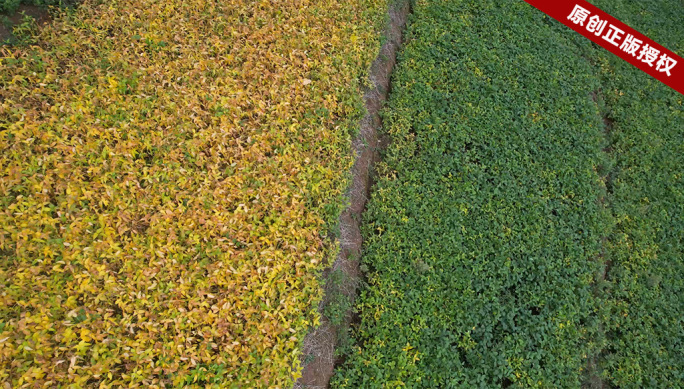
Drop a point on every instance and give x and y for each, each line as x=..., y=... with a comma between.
x=318, y=357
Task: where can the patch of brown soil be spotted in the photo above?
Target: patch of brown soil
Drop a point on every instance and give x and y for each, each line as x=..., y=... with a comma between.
x=40, y=14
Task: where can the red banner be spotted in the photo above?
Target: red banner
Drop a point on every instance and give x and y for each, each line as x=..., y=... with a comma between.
x=618, y=38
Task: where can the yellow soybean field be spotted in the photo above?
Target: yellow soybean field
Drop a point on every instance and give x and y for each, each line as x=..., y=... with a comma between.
x=168, y=173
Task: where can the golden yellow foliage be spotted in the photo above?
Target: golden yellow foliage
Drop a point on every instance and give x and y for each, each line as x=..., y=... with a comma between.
x=167, y=170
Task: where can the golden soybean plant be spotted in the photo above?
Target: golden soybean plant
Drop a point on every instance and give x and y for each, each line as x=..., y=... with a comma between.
x=166, y=174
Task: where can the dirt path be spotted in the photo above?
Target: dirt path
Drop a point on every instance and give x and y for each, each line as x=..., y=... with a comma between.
x=318, y=357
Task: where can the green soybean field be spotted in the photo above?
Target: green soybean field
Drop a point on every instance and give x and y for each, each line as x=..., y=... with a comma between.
x=527, y=222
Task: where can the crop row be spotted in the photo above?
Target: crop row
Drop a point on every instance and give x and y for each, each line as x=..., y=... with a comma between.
x=643, y=320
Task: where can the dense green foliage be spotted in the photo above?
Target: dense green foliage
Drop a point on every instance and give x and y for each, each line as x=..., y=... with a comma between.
x=645, y=321
x=505, y=195
x=485, y=227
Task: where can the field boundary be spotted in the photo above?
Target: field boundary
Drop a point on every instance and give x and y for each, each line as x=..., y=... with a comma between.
x=594, y=373
x=342, y=278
